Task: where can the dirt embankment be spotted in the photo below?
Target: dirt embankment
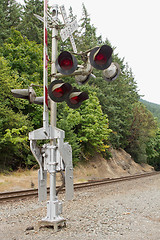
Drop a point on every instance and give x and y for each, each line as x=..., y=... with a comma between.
x=121, y=164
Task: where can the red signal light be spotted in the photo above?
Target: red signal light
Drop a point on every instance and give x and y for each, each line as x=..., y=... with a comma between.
x=101, y=57
x=58, y=90
x=75, y=98
x=66, y=63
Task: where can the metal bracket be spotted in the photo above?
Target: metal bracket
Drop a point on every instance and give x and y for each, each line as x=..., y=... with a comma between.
x=43, y=155
x=66, y=153
x=42, y=185
x=53, y=133
x=42, y=174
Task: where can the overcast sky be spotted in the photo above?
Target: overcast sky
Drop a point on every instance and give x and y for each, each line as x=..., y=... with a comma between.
x=132, y=26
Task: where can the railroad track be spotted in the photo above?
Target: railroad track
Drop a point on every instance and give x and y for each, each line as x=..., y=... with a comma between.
x=7, y=196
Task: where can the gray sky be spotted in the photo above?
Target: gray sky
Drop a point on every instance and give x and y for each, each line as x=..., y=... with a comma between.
x=132, y=26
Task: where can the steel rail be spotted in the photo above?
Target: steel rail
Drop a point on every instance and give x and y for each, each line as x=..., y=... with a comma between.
x=7, y=196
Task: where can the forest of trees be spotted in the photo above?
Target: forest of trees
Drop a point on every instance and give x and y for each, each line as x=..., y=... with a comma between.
x=153, y=108
x=113, y=116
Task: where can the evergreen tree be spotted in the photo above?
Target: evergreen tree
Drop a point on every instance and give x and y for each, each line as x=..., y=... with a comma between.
x=25, y=60
x=86, y=128
x=87, y=34
x=10, y=15
x=153, y=151
x=117, y=98
x=13, y=124
x=142, y=128
x=30, y=26
x=24, y=57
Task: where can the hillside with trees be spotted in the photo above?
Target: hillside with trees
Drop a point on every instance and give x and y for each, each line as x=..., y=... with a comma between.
x=113, y=116
x=153, y=108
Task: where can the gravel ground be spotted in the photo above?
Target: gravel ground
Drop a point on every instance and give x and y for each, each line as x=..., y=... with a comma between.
x=127, y=210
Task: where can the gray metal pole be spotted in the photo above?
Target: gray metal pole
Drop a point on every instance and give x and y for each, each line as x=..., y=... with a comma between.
x=53, y=112
x=45, y=73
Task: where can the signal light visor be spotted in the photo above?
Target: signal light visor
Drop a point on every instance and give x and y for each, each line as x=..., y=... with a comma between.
x=58, y=90
x=101, y=57
x=76, y=98
x=66, y=63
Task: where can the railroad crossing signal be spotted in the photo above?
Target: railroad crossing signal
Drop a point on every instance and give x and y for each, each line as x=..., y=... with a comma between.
x=60, y=91
x=71, y=28
x=76, y=98
x=66, y=63
x=57, y=156
x=101, y=57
